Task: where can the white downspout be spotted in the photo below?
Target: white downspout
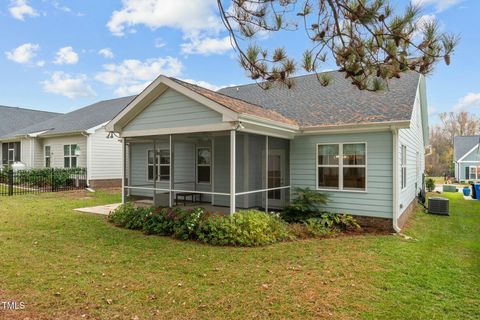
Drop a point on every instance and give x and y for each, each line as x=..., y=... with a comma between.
x=395, y=179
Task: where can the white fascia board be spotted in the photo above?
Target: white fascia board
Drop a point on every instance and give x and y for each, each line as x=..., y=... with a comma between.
x=247, y=118
x=36, y=134
x=94, y=129
x=468, y=153
x=265, y=131
x=362, y=127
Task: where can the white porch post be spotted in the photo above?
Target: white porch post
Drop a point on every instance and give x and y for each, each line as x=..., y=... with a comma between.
x=232, y=170
x=124, y=165
x=266, y=174
x=170, y=200
x=154, y=172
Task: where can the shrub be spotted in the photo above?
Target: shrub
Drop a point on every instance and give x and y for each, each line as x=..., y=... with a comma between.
x=244, y=228
x=304, y=205
x=129, y=217
x=186, y=226
x=430, y=184
x=329, y=223
x=160, y=221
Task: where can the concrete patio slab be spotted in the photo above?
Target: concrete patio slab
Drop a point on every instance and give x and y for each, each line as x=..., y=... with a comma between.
x=102, y=210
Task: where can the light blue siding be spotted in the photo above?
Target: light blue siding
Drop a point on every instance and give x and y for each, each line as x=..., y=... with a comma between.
x=463, y=167
x=376, y=201
x=412, y=138
x=473, y=156
x=172, y=110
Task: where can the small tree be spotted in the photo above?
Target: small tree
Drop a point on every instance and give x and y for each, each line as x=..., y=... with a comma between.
x=366, y=39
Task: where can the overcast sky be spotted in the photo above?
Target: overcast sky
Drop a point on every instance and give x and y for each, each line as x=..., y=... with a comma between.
x=59, y=55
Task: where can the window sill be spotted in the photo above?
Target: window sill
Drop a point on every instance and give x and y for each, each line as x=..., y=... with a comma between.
x=338, y=190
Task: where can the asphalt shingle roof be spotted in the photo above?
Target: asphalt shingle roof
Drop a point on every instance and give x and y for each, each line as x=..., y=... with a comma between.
x=463, y=144
x=13, y=118
x=79, y=120
x=309, y=103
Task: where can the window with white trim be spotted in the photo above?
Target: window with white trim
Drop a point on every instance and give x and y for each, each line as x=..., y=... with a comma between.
x=473, y=173
x=48, y=156
x=163, y=165
x=204, y=163
x=403, y=165
x=69, y=156
x=342, y=166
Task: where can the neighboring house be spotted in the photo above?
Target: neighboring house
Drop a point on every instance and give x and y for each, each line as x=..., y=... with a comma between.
x=467, y=158
x=12, y=119
x=245, y=147
x=75, y=139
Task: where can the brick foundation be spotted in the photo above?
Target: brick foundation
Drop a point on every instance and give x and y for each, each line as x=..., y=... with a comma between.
x=375, y=224
x=402, y=220
x=105, y=183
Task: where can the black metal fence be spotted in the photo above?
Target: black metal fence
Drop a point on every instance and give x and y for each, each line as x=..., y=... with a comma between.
x=41, y=180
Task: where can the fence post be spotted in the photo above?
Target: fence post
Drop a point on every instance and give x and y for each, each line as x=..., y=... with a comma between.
x=53, y=180
x=10, y=182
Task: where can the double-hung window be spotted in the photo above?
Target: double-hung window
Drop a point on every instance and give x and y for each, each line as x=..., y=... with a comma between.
x=70, y=156
x=48, y=156
x=204, y=163
x=404, y=166
x=342, y=166
x=473, y=173
x=163, y=165
x=354, y=166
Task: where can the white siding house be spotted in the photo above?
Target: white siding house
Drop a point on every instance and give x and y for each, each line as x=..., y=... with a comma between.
x=75, y=139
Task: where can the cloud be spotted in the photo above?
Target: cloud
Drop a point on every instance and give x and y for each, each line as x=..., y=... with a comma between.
x=187, y=15
x=159, y=43
x=106, y=53
x=432, y=110
x=66, y=55
x=207, y=46
x=64, y=84
x=468, y=102
x=24, y=53
x=57, y=5
x=131, y=90
x=440, y=5
x=131, y=76
x=20, y=8
x=204, y=84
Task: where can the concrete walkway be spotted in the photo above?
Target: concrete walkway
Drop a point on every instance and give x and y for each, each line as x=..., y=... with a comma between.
x=102, y=210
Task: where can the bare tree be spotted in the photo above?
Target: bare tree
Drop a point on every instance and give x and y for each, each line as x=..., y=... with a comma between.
x=366, y=39
x=441, y=139
x=459, y=124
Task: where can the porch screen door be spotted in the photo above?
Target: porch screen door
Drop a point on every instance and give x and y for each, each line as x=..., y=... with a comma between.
x=276, y=173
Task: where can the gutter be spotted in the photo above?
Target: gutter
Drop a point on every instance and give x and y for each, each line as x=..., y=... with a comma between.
x=395, y=179
x=356, y=127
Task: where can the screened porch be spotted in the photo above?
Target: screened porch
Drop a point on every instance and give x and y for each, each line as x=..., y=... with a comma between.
x=223, y=170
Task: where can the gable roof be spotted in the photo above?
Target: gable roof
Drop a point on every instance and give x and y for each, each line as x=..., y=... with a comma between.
x=13, y=118
x=79, y=120
x=237, y=105
x=463, y=144
x=310, y=104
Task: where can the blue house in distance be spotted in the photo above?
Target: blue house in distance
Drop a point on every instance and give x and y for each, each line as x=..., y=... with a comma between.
x=467, y=158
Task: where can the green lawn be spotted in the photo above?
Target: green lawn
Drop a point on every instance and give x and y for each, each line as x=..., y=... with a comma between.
x=64, y=265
